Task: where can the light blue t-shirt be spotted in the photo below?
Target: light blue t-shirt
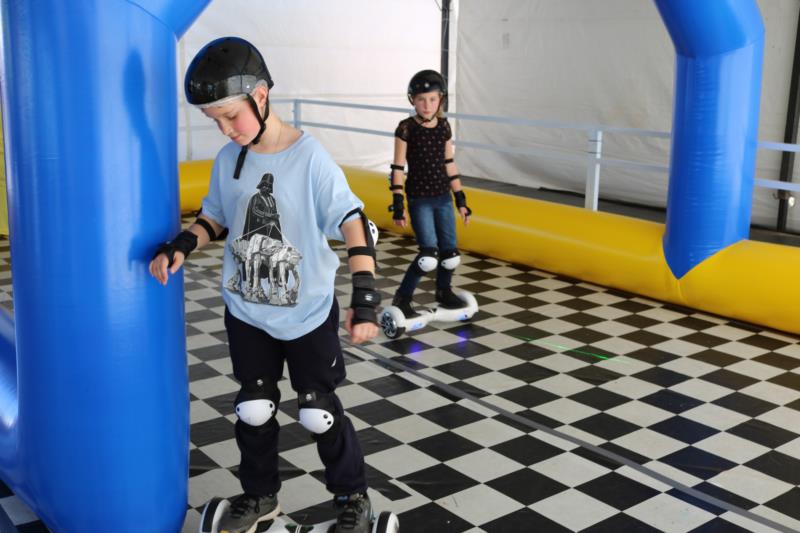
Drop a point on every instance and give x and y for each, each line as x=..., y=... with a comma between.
x=278, y=270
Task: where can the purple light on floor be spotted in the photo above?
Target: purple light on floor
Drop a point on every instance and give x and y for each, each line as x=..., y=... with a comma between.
x=415, y=347
x=467, y=331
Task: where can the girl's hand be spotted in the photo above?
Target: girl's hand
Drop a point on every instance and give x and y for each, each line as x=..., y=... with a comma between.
x=464, y=214
x=402, y=222
x=159, y=269
x=360, y=332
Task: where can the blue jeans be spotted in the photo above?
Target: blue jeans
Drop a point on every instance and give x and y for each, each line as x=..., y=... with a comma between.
x=434, y=223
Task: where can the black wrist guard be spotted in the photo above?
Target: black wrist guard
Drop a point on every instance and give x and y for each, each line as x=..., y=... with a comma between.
x=365, y=298
x=185, y=242
x=397, y=207
x=461, y=201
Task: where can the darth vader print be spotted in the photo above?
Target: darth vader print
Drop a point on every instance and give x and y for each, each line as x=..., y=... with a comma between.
x=267, y=265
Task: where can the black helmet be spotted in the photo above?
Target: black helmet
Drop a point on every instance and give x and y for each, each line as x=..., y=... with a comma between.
x=425, y=81
x=225, y=67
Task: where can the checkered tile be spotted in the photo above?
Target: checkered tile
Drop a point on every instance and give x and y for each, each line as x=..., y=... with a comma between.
x=683, y=397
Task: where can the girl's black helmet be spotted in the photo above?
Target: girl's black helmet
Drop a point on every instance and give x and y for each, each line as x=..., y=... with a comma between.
x=425, y=81
x=225, y=67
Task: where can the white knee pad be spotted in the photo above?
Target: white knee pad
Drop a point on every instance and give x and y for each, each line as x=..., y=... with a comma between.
x=316, y=420
x=255, y=412
x=254, y=405
x=426, y=259
x=317, y=412
x=451, y=259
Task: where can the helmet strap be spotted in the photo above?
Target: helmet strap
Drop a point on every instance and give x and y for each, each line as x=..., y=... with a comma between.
x=261, y=121
x=240, y=162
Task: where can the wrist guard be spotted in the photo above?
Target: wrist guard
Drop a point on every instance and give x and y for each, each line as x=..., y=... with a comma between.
x=365, y=298
x=185, y=242
x=461, y=201
x=397, y=207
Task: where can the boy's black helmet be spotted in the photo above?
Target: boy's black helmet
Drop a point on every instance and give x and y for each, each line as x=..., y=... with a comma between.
x=225, y=67
x=425, y=81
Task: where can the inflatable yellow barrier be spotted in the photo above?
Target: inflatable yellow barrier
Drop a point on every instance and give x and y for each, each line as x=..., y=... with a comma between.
x=194, y=177
x=750, y=281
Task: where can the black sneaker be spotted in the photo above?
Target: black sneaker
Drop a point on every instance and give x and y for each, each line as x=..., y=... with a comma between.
x=404, y=304
x=448, y=299
x=355, y=514
x=246, y=511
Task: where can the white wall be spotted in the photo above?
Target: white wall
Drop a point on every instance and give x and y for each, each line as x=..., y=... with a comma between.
x=605, y=62
x=361, y=51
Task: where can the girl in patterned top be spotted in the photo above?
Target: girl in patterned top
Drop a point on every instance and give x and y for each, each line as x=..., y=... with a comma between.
x=426, y=141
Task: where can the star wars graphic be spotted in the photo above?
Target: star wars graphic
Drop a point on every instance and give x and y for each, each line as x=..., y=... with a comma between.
x=267, y=266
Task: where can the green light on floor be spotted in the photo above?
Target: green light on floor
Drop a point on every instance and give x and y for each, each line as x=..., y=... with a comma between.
x=566, y=349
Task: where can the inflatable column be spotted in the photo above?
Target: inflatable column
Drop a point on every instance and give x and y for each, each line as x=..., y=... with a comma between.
x=719, y=46
x=93, y=389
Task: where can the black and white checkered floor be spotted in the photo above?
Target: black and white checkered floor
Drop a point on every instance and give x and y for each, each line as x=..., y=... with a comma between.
x=562, y=406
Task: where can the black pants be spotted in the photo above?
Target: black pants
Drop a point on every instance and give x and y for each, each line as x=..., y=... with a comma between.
x=315, y=364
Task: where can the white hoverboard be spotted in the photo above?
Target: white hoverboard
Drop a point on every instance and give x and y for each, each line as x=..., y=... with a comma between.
x=395, y=323
x=385, y=522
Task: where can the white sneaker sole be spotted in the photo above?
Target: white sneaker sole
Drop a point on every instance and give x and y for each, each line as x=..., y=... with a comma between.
x=267, y=517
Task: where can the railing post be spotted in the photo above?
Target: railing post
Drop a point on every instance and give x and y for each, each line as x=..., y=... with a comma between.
x=595, y=151
x=298, y=119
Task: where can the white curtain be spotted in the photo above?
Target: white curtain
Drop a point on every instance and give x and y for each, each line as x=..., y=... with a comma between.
x=608, y=62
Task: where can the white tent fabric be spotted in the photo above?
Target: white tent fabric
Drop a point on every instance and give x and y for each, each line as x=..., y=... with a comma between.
x=356, y=51
x=608, y=62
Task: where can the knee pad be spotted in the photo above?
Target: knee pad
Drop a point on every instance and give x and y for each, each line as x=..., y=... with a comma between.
x=426, y=260
x=319, y=413
x=450, y=259
x=255, y=403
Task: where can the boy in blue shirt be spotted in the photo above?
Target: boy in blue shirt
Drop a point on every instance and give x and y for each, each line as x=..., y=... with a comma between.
x=281, y=196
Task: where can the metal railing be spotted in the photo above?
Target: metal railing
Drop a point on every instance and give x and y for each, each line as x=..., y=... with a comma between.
x=593, y=158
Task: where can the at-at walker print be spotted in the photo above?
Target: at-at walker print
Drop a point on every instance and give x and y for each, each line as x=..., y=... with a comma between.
x=267, y=267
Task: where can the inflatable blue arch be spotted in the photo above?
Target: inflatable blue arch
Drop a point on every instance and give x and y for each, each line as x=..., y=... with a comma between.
x=94, y=407
x=719, y=47
x=95, y=403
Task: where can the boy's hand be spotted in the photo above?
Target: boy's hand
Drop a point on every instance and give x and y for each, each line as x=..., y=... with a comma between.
x=159, y=267
x=402, y=222
x=361, y=332
x=171, y=255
